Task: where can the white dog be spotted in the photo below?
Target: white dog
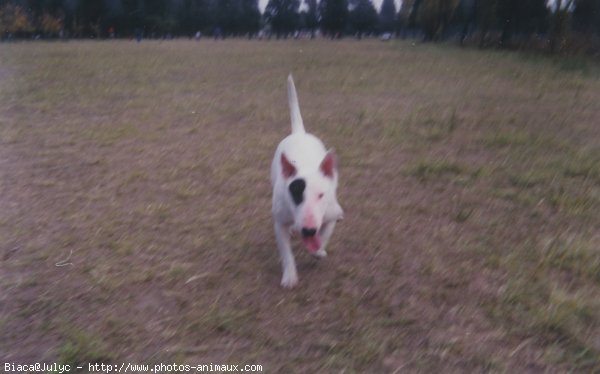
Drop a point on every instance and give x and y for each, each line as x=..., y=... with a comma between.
x=304, y=178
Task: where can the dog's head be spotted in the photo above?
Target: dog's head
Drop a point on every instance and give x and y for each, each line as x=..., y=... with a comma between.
x=311, y=195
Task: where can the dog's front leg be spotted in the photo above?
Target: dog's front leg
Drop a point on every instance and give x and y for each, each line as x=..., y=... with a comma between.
x=288, y=265
x=325, y=234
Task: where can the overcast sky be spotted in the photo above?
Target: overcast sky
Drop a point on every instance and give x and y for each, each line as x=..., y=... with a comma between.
x=263, y=4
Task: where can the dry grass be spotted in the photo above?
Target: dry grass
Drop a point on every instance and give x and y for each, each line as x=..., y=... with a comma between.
x=470, y=180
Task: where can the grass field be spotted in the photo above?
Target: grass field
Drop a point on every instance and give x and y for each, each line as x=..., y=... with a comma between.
x=135, y=207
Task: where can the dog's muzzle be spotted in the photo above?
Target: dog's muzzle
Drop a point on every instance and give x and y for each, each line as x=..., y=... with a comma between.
x=311, y=239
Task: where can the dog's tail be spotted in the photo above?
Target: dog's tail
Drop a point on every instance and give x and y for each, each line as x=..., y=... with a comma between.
x=297, y=124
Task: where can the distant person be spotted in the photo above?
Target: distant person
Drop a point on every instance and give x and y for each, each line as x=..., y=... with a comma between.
x=111, y=32
x=198, y=35
x=138, y=34
x=217, y=32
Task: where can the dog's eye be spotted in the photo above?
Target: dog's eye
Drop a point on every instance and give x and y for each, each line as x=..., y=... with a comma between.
x=321, y=196
x=297, y=190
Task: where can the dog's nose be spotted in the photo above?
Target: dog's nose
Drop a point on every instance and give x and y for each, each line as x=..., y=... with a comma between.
x=307, y=233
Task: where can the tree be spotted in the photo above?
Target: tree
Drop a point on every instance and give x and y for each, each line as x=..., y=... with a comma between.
x=192, y=16
x=334, y=15
x=14, y=20
x=434, y=16
x=466, y=17
x=35, y=8
x=311, y=18
x=477, y=14
x=283, y=16
x=132, y=18
x=362, y=17
x=225, y=15
x=387, y=16
x=486, y=17
x=50, y=25
x=156, y=20
x=521, y=17
x=90, y=18
x=46, y=16
x=249, y=17
x=559, y=22
x=115, y=17
x=414, y=12
x=586, y=16
x=404, y=14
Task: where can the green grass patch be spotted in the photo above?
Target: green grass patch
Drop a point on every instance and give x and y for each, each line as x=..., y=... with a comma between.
x=83, y=347
x=110, y=135
x=429, y=169
x=536, y=304
x=221, y=320
x=427, y=124
x=507, y=138
x=581, y=258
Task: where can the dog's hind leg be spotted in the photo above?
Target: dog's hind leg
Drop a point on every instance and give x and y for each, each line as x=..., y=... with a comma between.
x=288, y=264
x=325, y=234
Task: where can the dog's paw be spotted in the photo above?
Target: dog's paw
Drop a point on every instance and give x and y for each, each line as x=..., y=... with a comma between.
x=321, y=253
x=289, y=280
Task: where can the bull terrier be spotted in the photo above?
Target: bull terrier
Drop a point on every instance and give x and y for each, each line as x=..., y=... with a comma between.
x=304, y=177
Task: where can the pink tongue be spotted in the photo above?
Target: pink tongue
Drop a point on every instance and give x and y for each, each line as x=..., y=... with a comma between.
x=312, y=243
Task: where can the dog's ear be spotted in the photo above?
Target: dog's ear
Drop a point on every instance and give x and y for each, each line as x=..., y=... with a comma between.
x=329, y=164
x=288, y=170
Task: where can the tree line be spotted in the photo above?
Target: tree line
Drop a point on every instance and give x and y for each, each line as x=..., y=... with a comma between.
x=548, y=23
x=125, y=18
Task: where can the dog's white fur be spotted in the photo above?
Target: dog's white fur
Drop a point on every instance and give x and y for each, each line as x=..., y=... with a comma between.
x=303, y=156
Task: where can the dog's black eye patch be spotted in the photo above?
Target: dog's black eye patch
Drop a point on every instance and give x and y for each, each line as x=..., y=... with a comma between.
x=297, y=190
